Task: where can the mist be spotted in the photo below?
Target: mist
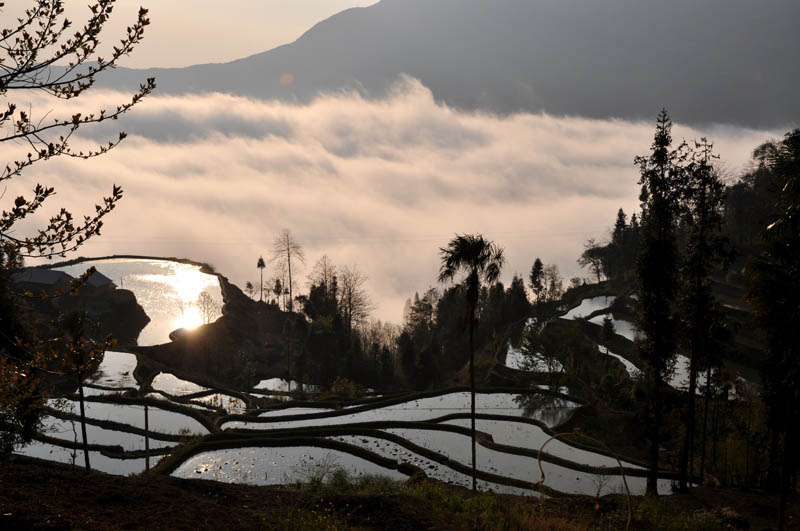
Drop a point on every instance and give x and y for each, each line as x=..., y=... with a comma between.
x=380, y=184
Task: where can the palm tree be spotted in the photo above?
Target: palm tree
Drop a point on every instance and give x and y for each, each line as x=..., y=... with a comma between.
x=481, y=260
x=261, y=265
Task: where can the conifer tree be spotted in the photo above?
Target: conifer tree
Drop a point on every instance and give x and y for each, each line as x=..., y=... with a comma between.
x=657, y=271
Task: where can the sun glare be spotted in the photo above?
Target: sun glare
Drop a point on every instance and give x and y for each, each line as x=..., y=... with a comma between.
x=183, y=283
x=190, y=318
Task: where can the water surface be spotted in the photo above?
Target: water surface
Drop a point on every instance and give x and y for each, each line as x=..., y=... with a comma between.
x=169, y=292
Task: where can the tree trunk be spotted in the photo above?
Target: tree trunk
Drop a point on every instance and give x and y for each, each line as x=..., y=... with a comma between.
x=146, y=439
x=786, y=471
x=652, y=473
x=83, y=423
x=289, y=262
x=688, y=443
x=472, y=389
x=705, y=424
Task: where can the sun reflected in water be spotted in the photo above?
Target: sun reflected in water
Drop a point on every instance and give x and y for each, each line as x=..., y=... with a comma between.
x=183, y=284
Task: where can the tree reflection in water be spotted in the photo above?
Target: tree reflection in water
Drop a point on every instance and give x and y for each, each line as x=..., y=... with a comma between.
x=552, y=410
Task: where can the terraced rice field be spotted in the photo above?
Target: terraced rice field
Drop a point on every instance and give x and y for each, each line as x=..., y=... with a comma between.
x=189, y=430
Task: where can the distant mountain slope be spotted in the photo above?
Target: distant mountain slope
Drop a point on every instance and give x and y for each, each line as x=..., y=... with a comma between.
x=729, y=61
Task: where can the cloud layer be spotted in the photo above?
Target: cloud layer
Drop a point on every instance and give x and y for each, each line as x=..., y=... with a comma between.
x=380, y=184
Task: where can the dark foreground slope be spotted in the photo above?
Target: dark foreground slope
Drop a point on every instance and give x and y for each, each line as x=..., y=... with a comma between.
x=37, y=495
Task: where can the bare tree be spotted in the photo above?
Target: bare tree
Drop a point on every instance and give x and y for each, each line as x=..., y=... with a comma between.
x=29, y=52
x=323, y=273
x=40, y=53
x=284, y=249
x=553, y=283
x=209, y=308
x=354, y=302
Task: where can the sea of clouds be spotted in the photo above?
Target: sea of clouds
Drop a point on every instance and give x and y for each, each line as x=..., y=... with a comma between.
x=379, y=184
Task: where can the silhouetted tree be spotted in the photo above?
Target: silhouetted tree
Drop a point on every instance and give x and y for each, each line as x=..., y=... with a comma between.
x=776, y=291
x=702, y=199
x=209, y=309
x=657, y=274
x=323, y=273
x=553, y=283
x=261, y=265
x=285, y=248
x=250, y=289
x=29, y=49
x=277, y=290
x=593, y=257
x=82, y=354
x=616, y=263
x=536, y=278
x=481, y=260
x=354, y=301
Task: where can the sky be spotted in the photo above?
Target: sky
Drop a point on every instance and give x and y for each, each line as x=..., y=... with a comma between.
x=189, y=32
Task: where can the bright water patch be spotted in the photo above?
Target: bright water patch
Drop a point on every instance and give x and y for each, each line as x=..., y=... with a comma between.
x=116, y=370
x=633, y=371
x=171, y=384
x=680, y=375
x=231, y=405
x=532, y=437
x=276, y=466
x=542, y=407
x=168, y=291
x=589, y=306
x=294, y=411
x=431, y=468
x=516, y=359
x=91, y=391
x=60, y=454
x=626, y=329
x=280, y=384
x=189, y=404
x=458, y=447
x=71, y=431
x=160, y=420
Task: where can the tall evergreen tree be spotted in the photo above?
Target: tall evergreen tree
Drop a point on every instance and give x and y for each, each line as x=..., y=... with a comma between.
x=616, y=250
x=657, y=271
x=536, y=278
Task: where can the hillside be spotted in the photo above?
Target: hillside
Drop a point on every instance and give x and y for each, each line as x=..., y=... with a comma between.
x=708, y=62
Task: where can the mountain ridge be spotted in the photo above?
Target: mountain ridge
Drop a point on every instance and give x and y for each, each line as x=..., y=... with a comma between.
x=721, y=61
